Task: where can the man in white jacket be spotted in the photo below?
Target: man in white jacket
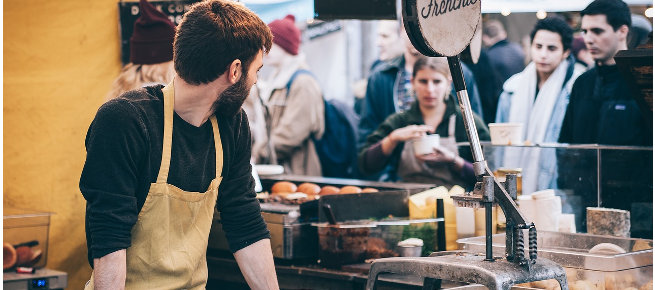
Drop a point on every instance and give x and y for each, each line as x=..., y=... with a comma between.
x=538, y=97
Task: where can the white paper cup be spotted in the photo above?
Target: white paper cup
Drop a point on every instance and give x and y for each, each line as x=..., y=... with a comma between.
x=506, y=133
x=425, y=144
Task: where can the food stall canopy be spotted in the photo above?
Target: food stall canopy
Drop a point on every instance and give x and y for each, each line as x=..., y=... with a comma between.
x=269, y=10
x=498, y=6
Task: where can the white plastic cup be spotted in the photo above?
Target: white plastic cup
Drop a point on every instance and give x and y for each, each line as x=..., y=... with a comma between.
x=426, y=144
x=506, y=133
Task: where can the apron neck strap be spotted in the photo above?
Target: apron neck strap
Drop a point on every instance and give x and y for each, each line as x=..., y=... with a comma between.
x=169, y=103
x=218, y=146
x=451, y=125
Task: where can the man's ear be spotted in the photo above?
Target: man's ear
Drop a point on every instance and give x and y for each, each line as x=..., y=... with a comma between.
x=624, y=29
x=234, y=71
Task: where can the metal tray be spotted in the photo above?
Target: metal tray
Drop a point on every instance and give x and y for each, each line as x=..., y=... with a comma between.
x=572, y=250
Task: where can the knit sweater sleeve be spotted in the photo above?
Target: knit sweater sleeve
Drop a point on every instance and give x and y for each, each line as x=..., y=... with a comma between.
x=115, y=143
x=237, y=203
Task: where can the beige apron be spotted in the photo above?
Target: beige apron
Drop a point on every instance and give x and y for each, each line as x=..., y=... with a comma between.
x=411, y=169
x=169, y=239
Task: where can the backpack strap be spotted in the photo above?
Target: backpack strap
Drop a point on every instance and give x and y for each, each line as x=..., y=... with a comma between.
x=293, y=77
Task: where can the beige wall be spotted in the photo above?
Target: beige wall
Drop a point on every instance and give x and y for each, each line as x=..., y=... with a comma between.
x=60, y=58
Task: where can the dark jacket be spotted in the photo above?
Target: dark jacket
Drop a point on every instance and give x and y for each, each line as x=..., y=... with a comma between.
x=380, y=100
x=602, y=111
x=413, y=116
x=507, y=59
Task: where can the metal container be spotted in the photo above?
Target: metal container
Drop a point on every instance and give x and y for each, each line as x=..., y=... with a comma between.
x=293, y=236
x=27, y=228
x=409, y=251
x=353, y=242
x=629, y=265
x=290, y=238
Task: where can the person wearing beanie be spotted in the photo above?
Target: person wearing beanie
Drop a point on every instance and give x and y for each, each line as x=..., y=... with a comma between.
x=151, y=52
x=294, y=101
x=580, y=52
x=161, y=160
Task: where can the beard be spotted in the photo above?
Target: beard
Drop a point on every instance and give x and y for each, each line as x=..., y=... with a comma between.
x=229, y=101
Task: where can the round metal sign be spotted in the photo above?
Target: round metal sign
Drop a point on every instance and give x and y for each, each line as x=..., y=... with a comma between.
x=441, y=27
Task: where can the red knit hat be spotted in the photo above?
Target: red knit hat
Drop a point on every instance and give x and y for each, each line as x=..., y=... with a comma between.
x=152, y=38
x=286, y=34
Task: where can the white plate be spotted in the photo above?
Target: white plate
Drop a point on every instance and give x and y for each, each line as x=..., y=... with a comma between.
x=269, y=169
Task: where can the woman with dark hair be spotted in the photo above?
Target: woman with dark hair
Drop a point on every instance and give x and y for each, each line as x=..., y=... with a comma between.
x=435, y=111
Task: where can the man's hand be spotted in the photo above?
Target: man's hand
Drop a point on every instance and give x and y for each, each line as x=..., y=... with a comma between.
x=256, y=264
x=109, y=271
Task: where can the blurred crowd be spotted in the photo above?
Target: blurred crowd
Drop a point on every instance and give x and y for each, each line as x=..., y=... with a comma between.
x=564, y=88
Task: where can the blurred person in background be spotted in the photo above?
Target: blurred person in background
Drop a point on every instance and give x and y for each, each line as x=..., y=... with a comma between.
x=538, y=97
x=507, y=58
x=389, y=90
x=602, y=109
x=640, y=32
x=581, y=53
x=294, y=101
x=151, y=52
x=435, y=111
x=256, y=112
x=389, y=41
x=390, y=46
x=489, y=85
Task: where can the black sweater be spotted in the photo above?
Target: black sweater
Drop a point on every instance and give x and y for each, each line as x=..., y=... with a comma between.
x=602, y=111
x=124, y=148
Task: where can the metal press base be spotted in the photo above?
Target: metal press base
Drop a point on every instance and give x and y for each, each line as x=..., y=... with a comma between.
x=468, y=267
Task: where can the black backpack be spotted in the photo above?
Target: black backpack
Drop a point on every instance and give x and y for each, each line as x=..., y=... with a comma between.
x=337, y=149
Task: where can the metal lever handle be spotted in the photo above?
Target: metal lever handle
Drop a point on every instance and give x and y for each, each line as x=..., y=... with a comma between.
x=467, y=113
x=327, y=209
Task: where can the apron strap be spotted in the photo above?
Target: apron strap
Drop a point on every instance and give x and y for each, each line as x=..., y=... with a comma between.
x=218, y=146
x=451, y=126
x=169, y=103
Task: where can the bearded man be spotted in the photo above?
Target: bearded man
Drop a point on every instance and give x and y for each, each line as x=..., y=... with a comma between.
x=161, y=158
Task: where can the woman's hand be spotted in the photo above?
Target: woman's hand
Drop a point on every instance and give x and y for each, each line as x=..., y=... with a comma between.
x=403, y=134
x=442, y=155
x=410, y=132
x=439, y=155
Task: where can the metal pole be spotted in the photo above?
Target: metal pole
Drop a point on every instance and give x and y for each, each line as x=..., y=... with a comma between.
x=488, y=199
x=465, y=106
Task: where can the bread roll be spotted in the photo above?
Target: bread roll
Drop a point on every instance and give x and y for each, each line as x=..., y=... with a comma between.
x=329, y=189
x=284, y=187
x=350, y=189
x=309, y=188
